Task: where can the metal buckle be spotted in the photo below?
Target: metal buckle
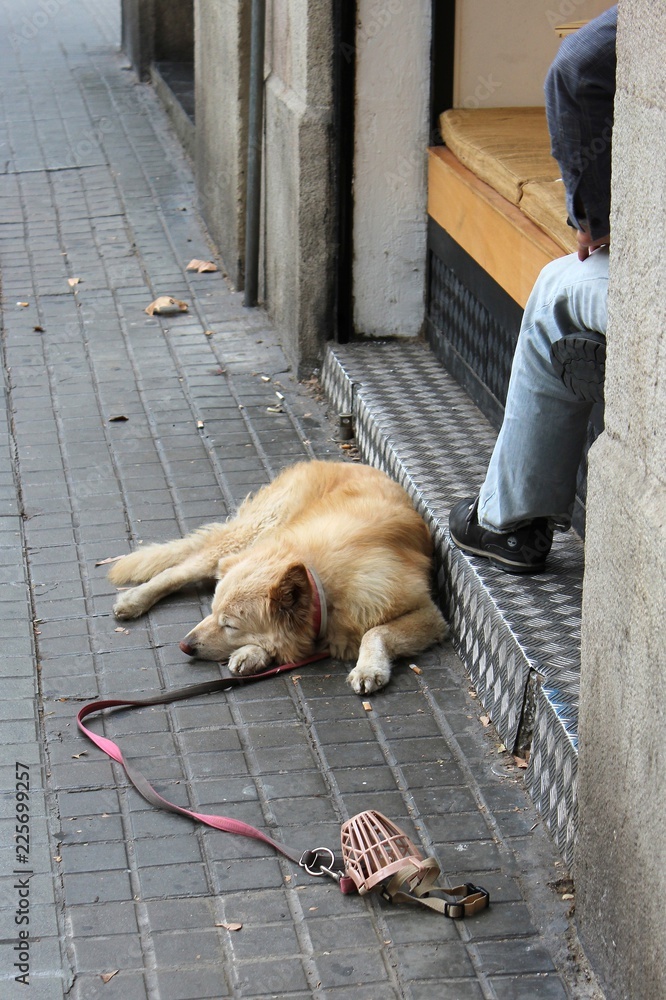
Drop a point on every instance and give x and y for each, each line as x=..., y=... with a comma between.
x=310, y=859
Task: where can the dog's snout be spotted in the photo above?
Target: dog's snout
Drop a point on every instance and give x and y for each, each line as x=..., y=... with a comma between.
x=187, y=648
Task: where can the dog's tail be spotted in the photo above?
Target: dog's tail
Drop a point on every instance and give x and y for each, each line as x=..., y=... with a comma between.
x=147, y=562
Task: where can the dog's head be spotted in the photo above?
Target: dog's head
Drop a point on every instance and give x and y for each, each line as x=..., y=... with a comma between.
x=256, y=606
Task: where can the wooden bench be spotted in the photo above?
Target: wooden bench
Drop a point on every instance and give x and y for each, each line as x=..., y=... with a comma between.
x=495, y=189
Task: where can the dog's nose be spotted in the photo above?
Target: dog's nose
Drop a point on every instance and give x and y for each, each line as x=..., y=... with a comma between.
x=187, y=649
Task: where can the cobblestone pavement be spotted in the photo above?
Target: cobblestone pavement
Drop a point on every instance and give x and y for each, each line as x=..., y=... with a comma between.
x=118, y=428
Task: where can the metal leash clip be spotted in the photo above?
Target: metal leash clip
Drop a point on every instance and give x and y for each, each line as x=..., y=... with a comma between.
x=313, y=863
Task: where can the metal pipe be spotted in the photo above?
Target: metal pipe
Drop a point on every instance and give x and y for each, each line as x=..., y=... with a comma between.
x=254, y=149
x=344, y=97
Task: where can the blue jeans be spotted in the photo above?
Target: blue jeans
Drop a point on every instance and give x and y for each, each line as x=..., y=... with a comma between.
x=532, y=472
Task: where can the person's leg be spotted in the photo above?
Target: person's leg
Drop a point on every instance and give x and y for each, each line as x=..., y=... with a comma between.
x=531, y=478
x=532, y=472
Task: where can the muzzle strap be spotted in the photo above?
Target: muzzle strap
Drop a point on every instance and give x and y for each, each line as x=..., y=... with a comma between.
x=415, y=883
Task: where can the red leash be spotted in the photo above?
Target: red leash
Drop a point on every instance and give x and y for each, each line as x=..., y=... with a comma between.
x=319, y=861
x=395, y=867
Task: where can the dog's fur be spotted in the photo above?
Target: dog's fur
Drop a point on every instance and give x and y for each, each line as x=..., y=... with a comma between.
x=350, y=523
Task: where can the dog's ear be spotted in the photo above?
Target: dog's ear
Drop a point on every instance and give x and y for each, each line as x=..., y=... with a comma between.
x=290, y=594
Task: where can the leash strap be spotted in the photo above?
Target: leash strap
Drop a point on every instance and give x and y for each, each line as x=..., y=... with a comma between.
x=319, y=861
x=408, y=885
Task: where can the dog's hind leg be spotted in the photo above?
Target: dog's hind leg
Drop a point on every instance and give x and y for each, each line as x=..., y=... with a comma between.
x=408, y=634
x=198, y=568
x=149, y=560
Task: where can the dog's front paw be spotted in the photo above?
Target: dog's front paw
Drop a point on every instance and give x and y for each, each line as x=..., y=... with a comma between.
x=364, y=679
x=248, y=660
x=130, y=605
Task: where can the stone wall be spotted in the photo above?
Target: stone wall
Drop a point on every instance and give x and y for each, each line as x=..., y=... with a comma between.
x=620, y=865
x=392, y=134
x=221, y=67
x=137, y=33
x=299, y=222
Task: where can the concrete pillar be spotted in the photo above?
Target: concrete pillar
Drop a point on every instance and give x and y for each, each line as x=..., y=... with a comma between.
x=391, y=138
x=299, y=196
x=138, y=33
x=222, y=53
x=621, y=857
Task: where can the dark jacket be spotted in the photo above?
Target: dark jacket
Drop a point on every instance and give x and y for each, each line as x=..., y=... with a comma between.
x=580, y=92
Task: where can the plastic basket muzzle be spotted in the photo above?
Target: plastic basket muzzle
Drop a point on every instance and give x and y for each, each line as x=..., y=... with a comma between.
x=374, y=849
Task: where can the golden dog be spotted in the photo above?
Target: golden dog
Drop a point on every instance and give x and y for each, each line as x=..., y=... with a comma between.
x=329, y=555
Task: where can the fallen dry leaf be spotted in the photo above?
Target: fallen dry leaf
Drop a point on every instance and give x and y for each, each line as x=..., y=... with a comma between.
x=519, y=761
x=230, y=927
x=201, y=266
x=105, y=562
x=166, y=305
x=107, y=976
x=38, y=329
x=485, y=720
x=77, y=756
x=73, y=281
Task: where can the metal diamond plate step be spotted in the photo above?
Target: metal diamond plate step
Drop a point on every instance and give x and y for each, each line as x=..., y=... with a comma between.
x=518, y=637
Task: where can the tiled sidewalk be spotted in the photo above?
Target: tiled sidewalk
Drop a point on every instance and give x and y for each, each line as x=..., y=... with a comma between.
x=118, y=428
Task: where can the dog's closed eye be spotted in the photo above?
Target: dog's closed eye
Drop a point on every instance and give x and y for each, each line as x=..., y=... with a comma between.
x=230, y=626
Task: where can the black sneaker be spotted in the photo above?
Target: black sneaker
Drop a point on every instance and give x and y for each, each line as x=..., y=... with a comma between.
x=581, y=364
x=522, y=550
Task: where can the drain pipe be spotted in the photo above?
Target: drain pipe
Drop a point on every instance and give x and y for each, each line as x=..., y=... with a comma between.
x=254, y=145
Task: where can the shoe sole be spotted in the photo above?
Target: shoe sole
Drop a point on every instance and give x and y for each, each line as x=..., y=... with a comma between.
x=504, y=564
x=581, y=364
